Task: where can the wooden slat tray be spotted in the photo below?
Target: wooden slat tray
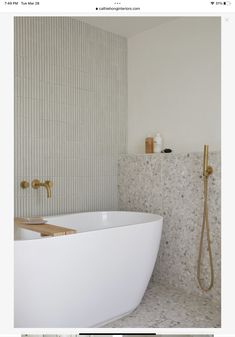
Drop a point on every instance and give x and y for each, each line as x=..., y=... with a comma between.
x=47, y=229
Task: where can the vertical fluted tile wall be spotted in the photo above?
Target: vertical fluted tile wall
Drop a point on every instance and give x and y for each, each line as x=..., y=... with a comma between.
x=70, y=114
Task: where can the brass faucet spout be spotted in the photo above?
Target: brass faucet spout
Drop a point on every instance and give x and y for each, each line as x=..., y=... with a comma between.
x=47, y=184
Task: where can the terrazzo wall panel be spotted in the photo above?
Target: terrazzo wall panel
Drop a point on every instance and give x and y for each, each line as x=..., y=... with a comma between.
x=70, y=114
x=172, y=185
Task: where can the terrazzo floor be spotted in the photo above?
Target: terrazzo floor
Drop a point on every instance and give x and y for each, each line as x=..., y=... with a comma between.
x=168, y=307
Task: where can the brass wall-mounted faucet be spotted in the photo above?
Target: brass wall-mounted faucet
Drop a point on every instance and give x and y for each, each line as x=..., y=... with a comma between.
x=36, y=184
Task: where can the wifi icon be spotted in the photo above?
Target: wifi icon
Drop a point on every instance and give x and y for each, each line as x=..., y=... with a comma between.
x=212, y=2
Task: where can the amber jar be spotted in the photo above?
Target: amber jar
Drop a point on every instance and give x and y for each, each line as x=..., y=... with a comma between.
x=149, y=145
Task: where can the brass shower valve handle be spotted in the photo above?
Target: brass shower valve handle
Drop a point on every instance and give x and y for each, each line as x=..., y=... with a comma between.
x=36, y=184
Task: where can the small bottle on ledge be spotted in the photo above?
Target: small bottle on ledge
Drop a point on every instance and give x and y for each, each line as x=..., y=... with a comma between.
x=157, y=143
x=149, y=144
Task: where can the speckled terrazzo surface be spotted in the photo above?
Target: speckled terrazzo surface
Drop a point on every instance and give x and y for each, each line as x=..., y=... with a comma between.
x=171, y=185
x=168, y=307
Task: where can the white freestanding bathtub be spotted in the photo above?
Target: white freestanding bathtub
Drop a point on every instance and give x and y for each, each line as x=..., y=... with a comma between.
x=85, y=279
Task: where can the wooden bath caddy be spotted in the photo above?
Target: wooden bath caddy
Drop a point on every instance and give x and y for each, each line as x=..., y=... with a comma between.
x=46, y=229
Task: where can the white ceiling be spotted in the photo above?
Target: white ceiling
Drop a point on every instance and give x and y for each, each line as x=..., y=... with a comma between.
x=126, y=26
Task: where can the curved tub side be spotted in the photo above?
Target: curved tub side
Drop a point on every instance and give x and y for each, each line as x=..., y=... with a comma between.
x=63, y=281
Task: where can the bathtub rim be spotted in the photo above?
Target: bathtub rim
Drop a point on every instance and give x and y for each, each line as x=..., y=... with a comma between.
x=157, y=219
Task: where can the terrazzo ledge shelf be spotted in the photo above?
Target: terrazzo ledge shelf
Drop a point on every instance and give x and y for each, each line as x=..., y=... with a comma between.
x=171, y=184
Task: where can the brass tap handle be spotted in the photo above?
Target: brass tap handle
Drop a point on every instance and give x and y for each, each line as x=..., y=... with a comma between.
x=35, y=184
x=24, y=184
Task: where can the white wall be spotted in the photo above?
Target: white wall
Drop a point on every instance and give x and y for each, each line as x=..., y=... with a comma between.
x=174, y=85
